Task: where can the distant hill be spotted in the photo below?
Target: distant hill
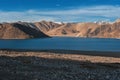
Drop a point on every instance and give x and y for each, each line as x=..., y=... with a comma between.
x=20, y=30
x=46, y=26
x=98, y=29
x=23, y=30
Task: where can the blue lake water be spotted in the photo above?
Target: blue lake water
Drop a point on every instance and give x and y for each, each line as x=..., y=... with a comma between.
x=67, y=43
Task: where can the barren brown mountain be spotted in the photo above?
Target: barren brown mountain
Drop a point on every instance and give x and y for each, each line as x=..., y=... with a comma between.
x=20, y=30
x=24, y=30
x=46, y=26
x=99, y=30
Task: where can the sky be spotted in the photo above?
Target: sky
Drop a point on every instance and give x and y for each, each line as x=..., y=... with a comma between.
x=59, y=10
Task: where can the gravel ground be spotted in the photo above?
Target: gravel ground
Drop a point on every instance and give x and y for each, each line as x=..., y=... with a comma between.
x=16, y=65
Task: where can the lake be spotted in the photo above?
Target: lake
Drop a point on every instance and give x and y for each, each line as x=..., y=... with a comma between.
x=66, y=43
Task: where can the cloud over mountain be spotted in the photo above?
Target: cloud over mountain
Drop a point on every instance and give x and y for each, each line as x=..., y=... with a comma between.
x=83, y=14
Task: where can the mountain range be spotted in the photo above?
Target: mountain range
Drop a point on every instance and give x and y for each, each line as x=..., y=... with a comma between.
x=23, y=30
x=88, y=29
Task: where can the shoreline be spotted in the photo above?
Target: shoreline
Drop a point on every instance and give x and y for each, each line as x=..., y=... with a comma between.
x=92, y=53
x=56, y=65
x=86, y=37
x=62, y=54
x=65, y=37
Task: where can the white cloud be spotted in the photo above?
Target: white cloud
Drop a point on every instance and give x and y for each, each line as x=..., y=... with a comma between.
x=97, y=10
x=13, y=16
x=90, y=13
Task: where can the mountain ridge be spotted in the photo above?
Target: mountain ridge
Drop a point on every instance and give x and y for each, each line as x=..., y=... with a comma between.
x=19, y=30
x=23, y=30
x=87, y=29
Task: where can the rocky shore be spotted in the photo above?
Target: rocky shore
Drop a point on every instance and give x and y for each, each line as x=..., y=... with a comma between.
x=42, y=65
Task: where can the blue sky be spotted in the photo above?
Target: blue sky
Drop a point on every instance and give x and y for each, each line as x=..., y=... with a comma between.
x=59, y=10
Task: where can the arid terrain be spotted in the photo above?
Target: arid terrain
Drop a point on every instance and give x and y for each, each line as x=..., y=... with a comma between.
x=20, y=30
x=85, y=29
x=23, y=30
x=45, y=65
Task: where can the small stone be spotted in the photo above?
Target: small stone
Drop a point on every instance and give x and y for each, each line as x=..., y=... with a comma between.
x=107, y=77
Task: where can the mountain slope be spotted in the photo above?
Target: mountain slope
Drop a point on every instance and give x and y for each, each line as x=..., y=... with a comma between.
x=103, y=30
x=20, y=30
x=23, y=30
x=45, y=26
